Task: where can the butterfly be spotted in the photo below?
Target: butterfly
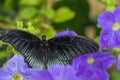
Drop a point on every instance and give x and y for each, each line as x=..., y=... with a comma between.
x=44, y=53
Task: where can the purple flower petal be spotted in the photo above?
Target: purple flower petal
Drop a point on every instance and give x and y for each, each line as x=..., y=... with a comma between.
x=118, y=63
x=66, y=33
x=106, y=20
x=105, y=59
x=90, y=70
x=5, y=74
x=13, y=64
x=117, y=14
x=87, y=74
x=42, y=75
x=16, y=65
x=108, y=40
x=59, y=72
x=117, y=38
x=100, y=75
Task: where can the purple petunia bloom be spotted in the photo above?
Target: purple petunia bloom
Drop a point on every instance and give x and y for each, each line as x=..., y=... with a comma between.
x=17, y=69
x=66, y=33
x=118, y=63
x=110, y=23
x=93, y=66
x=58, y=72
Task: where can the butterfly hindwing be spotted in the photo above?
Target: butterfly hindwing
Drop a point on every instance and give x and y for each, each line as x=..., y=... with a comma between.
x=44, y=53
x=69, y=47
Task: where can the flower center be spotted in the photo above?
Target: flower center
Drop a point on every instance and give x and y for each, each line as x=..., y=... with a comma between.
x=17, y=77
x=90, y=60
x=116, y=26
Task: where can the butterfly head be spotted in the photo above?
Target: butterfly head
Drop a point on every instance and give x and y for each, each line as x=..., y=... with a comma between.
x=43, y=38
x=43, y=42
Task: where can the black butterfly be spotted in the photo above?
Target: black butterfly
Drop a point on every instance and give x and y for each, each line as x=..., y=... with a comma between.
x=44, y=53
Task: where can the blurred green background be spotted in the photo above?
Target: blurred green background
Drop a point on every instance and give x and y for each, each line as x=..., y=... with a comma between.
x=49, y=17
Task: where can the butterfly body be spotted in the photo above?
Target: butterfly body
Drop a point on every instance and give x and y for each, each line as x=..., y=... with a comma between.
x=44, y=53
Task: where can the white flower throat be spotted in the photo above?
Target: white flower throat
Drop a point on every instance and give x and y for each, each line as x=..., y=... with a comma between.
x=116, y=26
x=17, y=77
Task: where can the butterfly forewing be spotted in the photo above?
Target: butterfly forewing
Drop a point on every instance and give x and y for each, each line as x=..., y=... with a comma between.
x=42, y=53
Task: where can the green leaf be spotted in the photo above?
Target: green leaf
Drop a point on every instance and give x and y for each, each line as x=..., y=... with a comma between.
x=115, y=75
x=63, y=14
x=110, y=8
x=27, y=13
x=49, y=13
x=32, y=29
x=19, y=24
x=30, y=2
x=108, y=2
x=5, y=19
x=10, y=5
x=3, y=54
x=97, y=39
x=11, y=49
x=50, y=31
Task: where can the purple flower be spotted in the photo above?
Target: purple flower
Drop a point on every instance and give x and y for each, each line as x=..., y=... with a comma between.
x=93, y=66
x=110, y=20
x=17, y=69
x=66, y=33
x=109, y=40
x=42, y=75
x=110, y=23
x=118, y=63
x=58, y=72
